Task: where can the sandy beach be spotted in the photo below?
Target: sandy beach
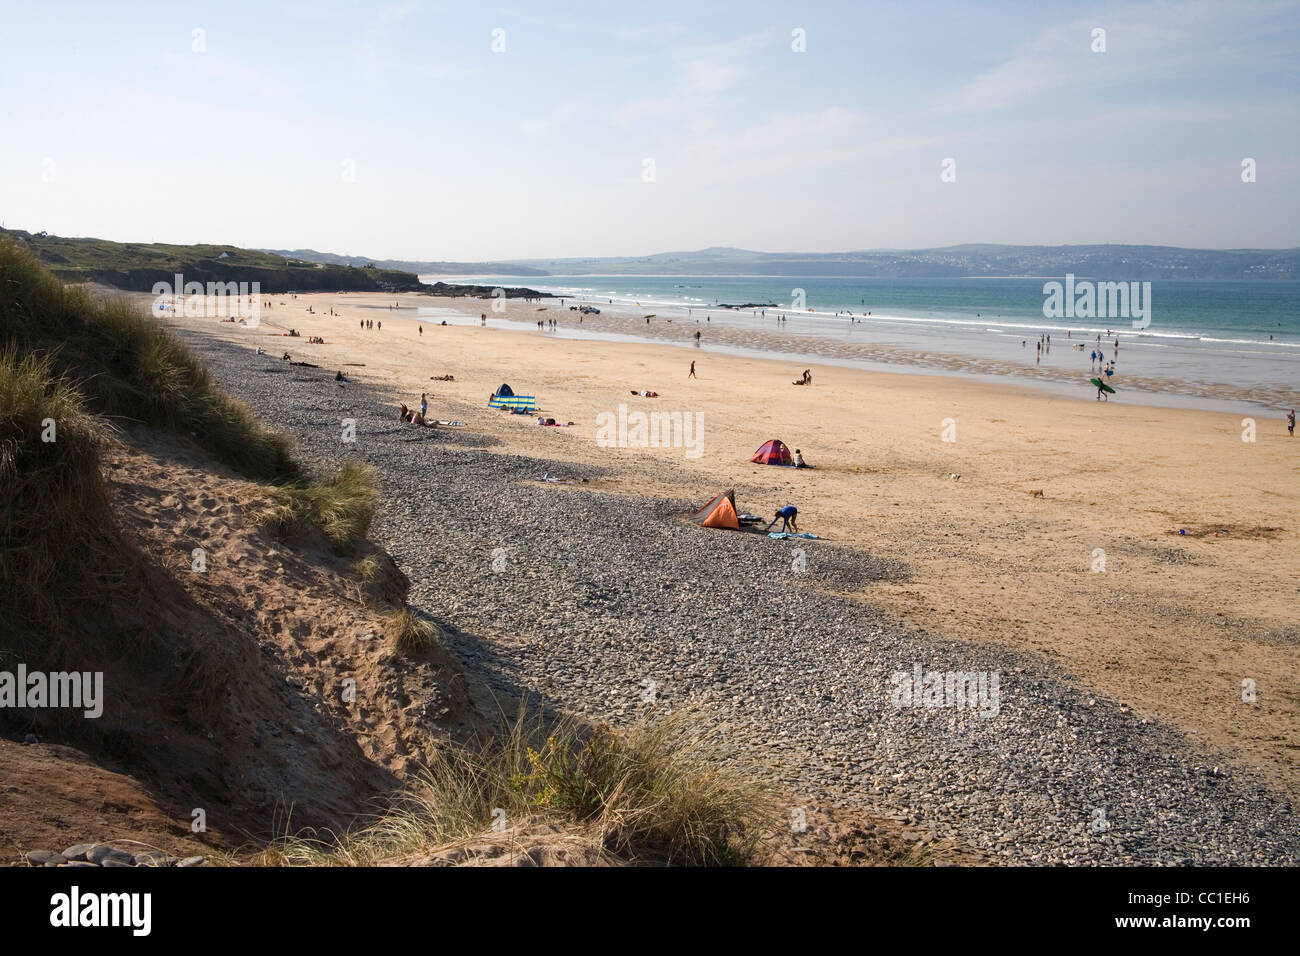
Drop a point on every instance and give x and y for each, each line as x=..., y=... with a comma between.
x=1060, y=538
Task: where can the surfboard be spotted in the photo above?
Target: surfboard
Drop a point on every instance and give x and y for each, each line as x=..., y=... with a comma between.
x=1102, y=385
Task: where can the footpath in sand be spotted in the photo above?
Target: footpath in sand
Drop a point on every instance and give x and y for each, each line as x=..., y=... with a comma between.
x=1092, y=575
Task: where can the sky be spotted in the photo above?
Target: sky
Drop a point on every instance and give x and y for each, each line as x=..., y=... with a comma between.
x=489, y=131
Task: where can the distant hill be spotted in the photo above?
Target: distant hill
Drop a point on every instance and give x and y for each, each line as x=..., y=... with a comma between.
x=1112, y=262
x=136, y=266
x=404, y=265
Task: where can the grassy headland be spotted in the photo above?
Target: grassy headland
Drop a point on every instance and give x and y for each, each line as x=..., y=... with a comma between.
x=136, y=266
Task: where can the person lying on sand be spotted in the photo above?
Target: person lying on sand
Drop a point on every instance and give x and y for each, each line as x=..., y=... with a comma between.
x=787, y=516
x=442, y=378
x=645, y=393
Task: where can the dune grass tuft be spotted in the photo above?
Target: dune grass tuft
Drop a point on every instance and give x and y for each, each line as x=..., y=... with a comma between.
x=341, y=504
x=411, y=635
x=659, y=791
x=56, y=526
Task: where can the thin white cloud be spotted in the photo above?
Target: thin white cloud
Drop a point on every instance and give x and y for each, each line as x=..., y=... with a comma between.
x=1153, y=41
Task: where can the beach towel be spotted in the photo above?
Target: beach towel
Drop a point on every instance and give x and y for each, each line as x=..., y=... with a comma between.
x=786, y=534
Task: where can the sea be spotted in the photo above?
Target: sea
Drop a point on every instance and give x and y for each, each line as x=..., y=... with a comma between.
x=1226, y=340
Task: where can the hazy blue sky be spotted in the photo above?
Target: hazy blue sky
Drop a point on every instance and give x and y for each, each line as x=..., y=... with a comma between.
x=394, y=130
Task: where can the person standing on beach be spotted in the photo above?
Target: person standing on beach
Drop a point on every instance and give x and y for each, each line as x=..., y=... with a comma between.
x=424, y=405
x=421, y=328
x=381, y=326
x=692, y=375
x=1290, y=423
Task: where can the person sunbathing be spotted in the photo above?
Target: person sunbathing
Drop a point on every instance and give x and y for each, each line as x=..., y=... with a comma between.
x=645, y=393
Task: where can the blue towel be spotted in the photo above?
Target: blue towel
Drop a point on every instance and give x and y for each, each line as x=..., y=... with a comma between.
x=786, y=534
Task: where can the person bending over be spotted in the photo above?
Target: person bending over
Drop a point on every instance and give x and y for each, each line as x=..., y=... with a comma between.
x=788, y=514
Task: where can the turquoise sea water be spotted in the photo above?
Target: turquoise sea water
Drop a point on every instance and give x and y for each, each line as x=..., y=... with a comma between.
x=1236, y=333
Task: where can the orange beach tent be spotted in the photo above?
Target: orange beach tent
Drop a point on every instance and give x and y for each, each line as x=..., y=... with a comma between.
x=720, y=512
